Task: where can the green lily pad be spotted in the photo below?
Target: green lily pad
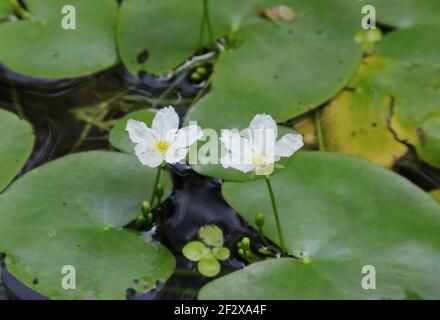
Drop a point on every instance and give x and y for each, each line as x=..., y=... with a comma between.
x=195, y=251
x=40, y=47
x=221, y=254
x=157, y=36
x=356, y=121
x=406, y=13
x=436, y=195
x=284, y=69
x=71, y=212
x=6, y=9
x=119, y=136
x=16, y=143
x=211, y=235
x=209, y=266
x=338, y=215
x=428, y=147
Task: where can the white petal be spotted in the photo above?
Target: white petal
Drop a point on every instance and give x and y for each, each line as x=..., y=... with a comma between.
x=240, y=152
x=139, y=132
x=148, y=156
x=232, y=161
x=234, y=142
x=175, y=155
x=263, y=132
x=288, y=145
x=185, y=137
x=166, y=123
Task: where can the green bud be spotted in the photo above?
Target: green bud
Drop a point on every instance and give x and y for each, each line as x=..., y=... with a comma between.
x=246, y=243
x=146, y=207
x=202, y=71
x=140, y=221
x=241, y=252
x=159, y=190
x=259, y=220
x=150, y=218
x=195, y=76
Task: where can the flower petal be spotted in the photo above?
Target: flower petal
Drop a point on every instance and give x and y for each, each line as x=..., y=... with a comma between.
x=185, y=137
x=148, y=156
x=175, y=155
x=235, y=161
x=288, y=145
x=263, y=133
x=240, y=151
x=139, y=132
x=166, y=123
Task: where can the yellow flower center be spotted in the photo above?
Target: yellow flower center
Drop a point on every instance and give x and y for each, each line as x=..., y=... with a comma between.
x=162, y=146
x=258, y=160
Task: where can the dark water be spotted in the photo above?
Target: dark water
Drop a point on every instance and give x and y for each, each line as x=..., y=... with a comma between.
x=196, y=200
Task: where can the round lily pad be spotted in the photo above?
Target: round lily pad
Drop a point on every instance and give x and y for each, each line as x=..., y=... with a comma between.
x=41, y=47
x=195, y=251
x=209, y=266
x=406, y=13
x=119, y=136
x=211, y=235
x=6, y=9
x=285, y=68
x=157, y=36
x=16, y=143
x=70, y=212
x=340, y=216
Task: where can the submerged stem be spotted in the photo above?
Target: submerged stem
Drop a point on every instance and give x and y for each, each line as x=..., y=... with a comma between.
x=275, y=212
x=319, y=130
x=156, y=182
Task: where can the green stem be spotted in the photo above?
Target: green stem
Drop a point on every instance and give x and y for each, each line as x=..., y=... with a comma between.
x=275, y=212
x=156, y=182
x=208, y=19
x=20, y=11
x=319, y=130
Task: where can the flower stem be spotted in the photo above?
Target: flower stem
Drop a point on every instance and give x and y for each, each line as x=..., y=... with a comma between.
x=275, y=212
x=319, y=130
x=208, y=19
x=156, y=182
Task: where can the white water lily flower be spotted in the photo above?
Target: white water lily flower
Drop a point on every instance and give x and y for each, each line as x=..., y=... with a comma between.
x=163, y=142
x=258, y=150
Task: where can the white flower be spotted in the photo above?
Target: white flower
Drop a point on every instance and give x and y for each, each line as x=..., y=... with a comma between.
x=163, y=142
x=258, y=150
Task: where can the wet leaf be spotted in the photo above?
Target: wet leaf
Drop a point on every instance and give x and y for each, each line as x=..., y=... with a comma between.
x=195, y=251
x=16, y=143
x=428, y=147
x=5, y=9
x=71, y=212
x=211, y=235
x=436, y=195
x=338, y=215
x=41, y=48
x=209, y=266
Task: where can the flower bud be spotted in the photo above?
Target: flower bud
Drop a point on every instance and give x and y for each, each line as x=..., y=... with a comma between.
x=159, y=190
x=150, y=218
x=259, y=220
x=146, y=207
x=140, y=221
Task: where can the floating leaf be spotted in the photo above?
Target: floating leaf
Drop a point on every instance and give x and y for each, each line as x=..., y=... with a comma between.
x=211, y=235
x=356, y=121
x=71, y=212
x=157, y=36
x=428, y=147
x=195, y=251
x=42, y=48
x=338, y=215
x=406, y=13
x=436, y=195
x=287, y=69
x=119, y=136
x=16, y=142
x=6, y=9
x=221, y=253
x=209, y=266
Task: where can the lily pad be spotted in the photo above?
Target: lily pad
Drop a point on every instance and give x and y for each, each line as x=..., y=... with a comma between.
x=41, y=47
x=339, y=214
x=436, y=195
x=119, y=136
x=157, y=36
x=71, y=212
x=6, y=9
x=16, y=143
x=211, y=235
x=356, y=121
x=406, y=13
x=428, y=147
x=288, y=68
